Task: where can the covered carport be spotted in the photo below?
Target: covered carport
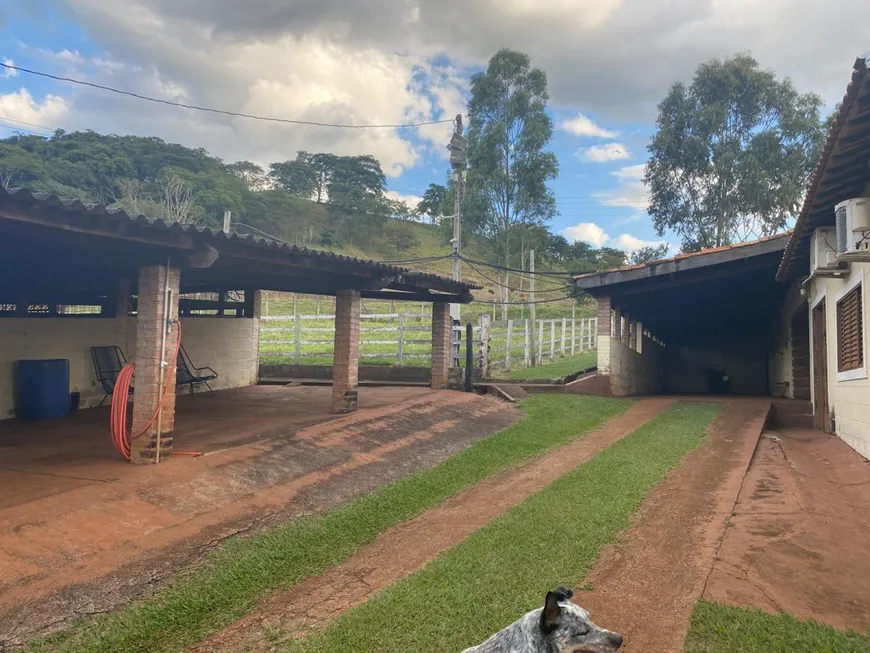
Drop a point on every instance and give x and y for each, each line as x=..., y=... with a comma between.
x=704, y=322
x=76, y=276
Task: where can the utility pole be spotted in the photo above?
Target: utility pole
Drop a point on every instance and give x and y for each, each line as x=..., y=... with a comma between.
x=459, y=162
x=534, y=349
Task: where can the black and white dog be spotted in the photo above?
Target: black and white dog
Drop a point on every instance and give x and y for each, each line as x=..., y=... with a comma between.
x=559, y=627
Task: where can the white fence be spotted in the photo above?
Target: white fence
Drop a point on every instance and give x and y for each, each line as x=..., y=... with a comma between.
x=513, y=342
x=405, y=339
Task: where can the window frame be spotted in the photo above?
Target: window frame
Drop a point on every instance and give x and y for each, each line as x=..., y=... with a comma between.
x=859, y=372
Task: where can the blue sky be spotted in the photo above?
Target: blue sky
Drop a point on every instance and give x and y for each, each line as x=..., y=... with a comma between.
x=384, y=61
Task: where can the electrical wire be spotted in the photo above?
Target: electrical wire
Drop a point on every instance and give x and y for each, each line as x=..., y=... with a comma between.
x=498, y=283
x=427, y=259
x=27, y=124
x=218, y=111
x=541, y=301
x=503, y=268
x=15, y=129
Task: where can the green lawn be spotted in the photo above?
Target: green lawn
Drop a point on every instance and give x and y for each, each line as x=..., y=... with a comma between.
x=231, y=580
x=505, y=569
x=719, y=628
x=557, y=370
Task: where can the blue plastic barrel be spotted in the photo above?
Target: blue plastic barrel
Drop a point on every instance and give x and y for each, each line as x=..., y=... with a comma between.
x=43, y=389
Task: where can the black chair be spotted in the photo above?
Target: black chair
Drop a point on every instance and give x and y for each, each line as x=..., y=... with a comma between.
x=108, y=363
x=186, y=374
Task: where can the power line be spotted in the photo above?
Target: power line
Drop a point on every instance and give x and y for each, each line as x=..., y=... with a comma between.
x=498, y=283
x=540, y=301
x=427, y=259
x=509, y=269
x=218, y=111
x=13, y=128
x=28, y=124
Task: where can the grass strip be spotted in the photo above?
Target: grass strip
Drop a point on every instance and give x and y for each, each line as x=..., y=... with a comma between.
x=720, y=628
x=236, y=575
x=505, y=568
x=557, y=370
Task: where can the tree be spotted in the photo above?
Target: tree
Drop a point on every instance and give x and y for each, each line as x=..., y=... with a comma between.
x=295, y=177
x=323, y=166
x=251, y=174
x=437, y=201
x=647, y=254
x=732, y=154
x=401, y=236
x=508, y=165
x=17, y=166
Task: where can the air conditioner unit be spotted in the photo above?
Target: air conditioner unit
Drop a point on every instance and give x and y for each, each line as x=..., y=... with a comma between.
x=853, y=226
x=823, y=249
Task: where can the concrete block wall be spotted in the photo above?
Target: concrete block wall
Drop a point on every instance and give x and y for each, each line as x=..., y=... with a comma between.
x=70, y=338
x=228, y=345
x=633, y=373
x=780, y=370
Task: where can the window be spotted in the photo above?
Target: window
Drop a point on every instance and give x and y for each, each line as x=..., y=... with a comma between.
x=850, y=331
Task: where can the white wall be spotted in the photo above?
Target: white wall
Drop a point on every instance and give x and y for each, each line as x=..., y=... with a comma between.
x=229, y=345
x=849, y=399
x=781, y=369
x=634, y=373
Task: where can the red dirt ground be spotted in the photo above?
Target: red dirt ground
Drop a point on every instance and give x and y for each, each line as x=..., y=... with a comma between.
x=646, y=586
x=85, y=546
x=410, y=546
x=799, y=539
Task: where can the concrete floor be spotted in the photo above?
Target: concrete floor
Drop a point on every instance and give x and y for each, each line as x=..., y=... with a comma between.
x=82, y=530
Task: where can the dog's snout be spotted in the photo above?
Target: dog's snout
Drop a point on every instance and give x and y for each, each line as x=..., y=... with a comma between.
x=615, y=641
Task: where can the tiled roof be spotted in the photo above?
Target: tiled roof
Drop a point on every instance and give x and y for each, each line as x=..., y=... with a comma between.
x=811, y=209
x=688, y=255
x=38, y=200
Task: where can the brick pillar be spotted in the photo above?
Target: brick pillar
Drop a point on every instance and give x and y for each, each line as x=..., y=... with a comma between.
x=442, y=339
x=617, y=323
x=626, y=329
x=632, y=335
x=345, y=368
x=606, y=322
x=149, y=332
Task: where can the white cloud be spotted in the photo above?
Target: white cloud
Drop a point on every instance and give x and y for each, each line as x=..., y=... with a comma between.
x=633, y=195
x=411, y=200
x=21, y=106
x=595, y=235
x=630, y=172
x=588, y=232
x=8, y=72
x=584, y=126
x=631, y=243
x=604, y=153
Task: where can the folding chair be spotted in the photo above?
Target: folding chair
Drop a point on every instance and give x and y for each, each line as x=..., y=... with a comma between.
x=186, y=374
x=108, y=363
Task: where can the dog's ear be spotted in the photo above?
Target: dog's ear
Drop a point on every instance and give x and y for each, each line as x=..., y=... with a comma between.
x=552, y=612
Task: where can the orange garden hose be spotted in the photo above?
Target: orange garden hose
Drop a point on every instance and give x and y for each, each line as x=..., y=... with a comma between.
x=121, y=435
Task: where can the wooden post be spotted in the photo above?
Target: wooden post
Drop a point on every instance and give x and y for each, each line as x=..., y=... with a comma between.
x=483, y=345
x=507, y=354
x=564, y=325
x=401, y=339
x=527, y=344
x=573, y=336
x=540, y=341
x=552, y=340
x=297, y=336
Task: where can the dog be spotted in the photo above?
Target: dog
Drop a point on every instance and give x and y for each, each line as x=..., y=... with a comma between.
x=559, y=627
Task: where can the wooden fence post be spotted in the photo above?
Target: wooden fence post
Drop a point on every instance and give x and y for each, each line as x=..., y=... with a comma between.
x=527, y=351
x=401, y=339
x=507, y=354
x=540, y=342
x=552, y=340
x=564, y=325
x=573, y=336
x=483, y=346
x=297, y=332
